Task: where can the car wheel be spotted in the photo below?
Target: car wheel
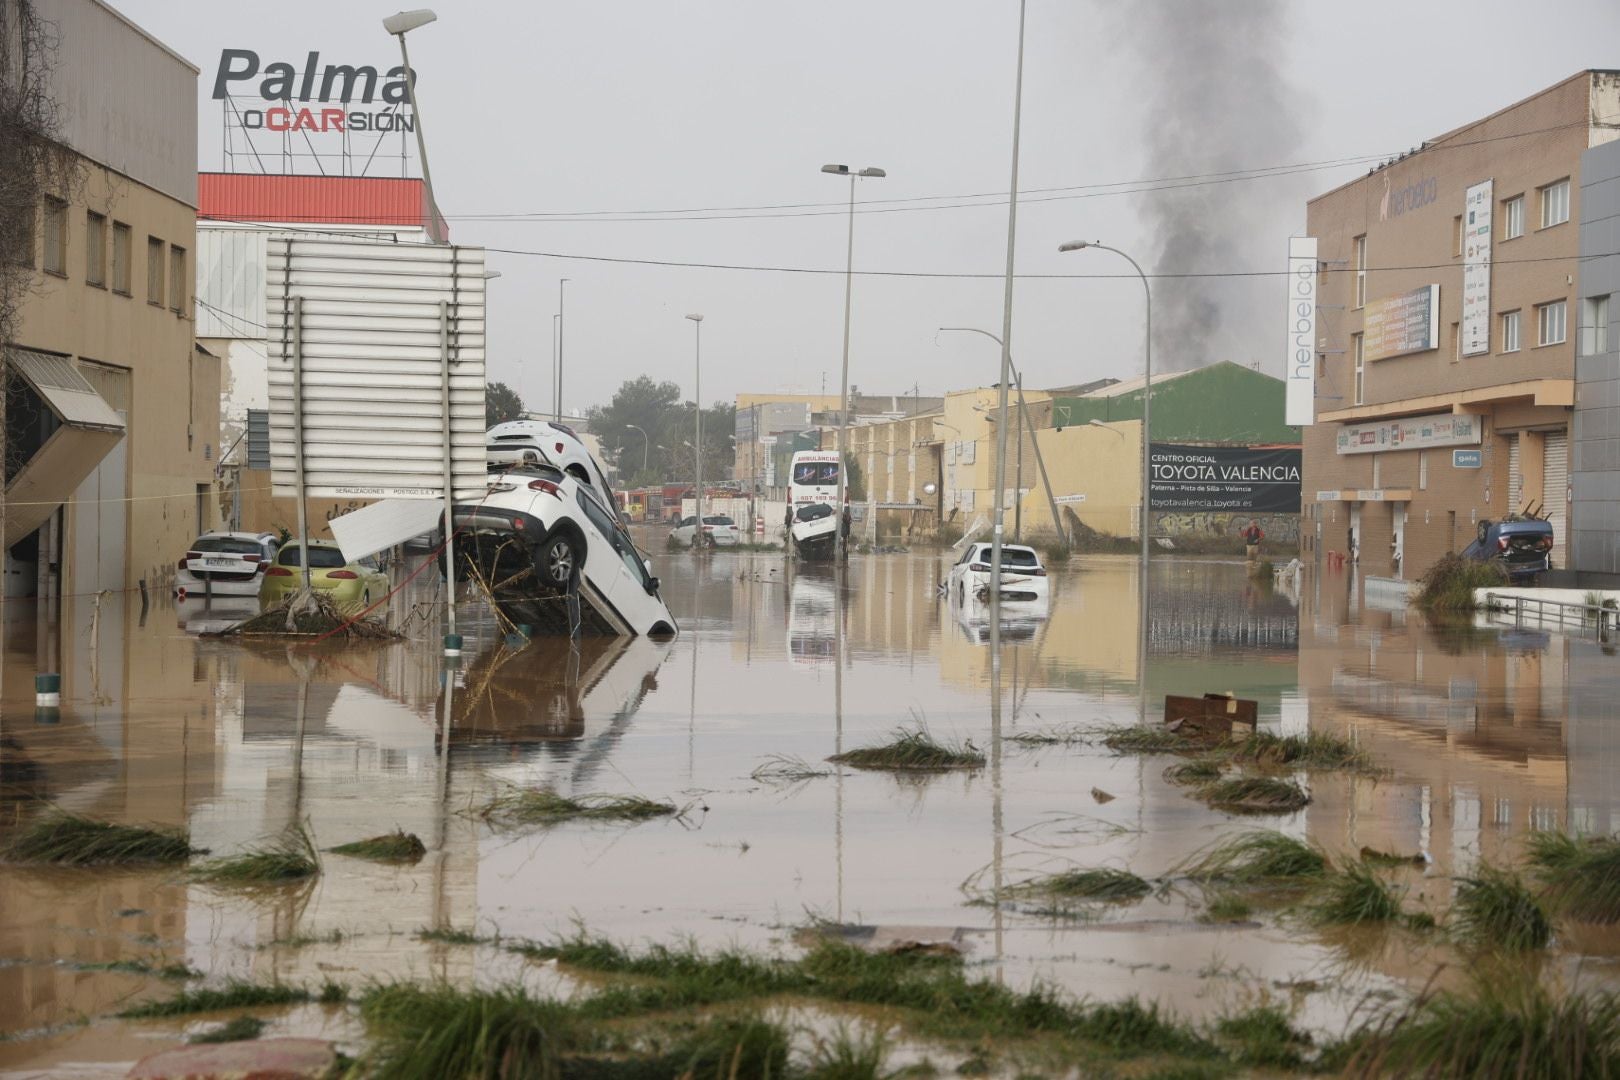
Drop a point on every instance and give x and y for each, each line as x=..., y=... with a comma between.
x=559, y=560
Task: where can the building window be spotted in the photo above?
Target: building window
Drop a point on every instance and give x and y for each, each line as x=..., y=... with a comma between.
x=154, y=271
x=1555, y=203
x=1513, y=217
x=1423, y=470
x=17, y=240
x=55, y=236
x=1594, y=325
x=1456, y=235
x=1550, y=323
x=1456, y=342
x=1510, y=331
x=1359, y=246
x=1356, y=342
x=122, y=239
x=95, y=248
x=177, y=279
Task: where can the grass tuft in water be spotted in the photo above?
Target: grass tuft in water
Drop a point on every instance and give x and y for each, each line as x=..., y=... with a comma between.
x=913, y=749
x=1051, y=736
x=1101, y=884
x=397, y=846
x=1315, y=750
x=235, y=994
x=787, y=769
x=63, y=839
x=1196, y=772
x=1504, y=1027
x=241, y=1029
x=1355, y=896
x=1495, y=909
x=1255, y=795
x=542, y=806
x=1374, y=857
x=438, y=1031
x=1581, y=874
x=1227, y=907
x=1261, y=857
x=1449, y=584
x=1263, y=1037
x=1149, y=739
x=844, y=1055
x=291, y=858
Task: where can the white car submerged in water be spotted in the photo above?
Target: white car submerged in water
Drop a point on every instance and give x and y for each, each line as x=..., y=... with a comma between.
x=1023, y=578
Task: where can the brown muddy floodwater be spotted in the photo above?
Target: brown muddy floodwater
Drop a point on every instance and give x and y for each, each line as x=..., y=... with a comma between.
x=1487, y=734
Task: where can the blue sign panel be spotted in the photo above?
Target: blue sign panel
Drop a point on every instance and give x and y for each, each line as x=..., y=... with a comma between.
x=1467, y=459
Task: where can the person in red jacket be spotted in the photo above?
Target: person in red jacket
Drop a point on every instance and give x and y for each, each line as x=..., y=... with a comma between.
x=1252, y=537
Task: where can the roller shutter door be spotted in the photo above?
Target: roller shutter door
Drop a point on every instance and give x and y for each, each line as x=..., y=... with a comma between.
x=1555, y=486
x=1515, y=477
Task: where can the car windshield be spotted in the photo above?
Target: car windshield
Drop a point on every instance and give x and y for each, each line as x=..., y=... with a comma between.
x=226, y=545
x=320, y=558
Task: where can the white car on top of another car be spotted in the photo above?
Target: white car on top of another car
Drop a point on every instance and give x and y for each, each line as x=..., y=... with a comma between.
x=1023, y=578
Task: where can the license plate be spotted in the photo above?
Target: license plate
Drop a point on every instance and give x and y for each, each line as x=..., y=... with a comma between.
x=219, y=562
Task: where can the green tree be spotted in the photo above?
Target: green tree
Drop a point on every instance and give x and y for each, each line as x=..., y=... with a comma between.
x=501, y=403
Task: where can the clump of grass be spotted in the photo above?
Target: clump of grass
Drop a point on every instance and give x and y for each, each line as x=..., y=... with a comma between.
x=235, y=994
x=63, y=839
x=1149, y=739
x=1314, y=750
x=847, y=1056
x=442, y=1031
x=913, y=750
x=1196, y=772
x=1263, y=1037
x=241, y=1029
x=787, y=769
x=1051, y=736
x=291, y=858
x=174, y=972
x=1355, y=896
x=1449, y=584
x=450, y=936
x=1495, y=909
x=1581, y=874
x=542, y=806
x=1227, y=907
x=1255, y=795
x=1503, y=1027
x=397, y=846
x=1106, y=883
x=1262, y=858
x=1374, y=857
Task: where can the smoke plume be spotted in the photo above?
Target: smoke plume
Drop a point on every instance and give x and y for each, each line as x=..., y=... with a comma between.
x=1217, y=101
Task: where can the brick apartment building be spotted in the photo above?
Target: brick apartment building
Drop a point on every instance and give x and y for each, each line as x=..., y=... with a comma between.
x=1447, y=329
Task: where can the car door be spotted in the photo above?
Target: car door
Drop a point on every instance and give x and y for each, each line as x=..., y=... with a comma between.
x=611, y=560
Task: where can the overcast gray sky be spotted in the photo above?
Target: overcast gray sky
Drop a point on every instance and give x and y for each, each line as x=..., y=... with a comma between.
x=559, y=107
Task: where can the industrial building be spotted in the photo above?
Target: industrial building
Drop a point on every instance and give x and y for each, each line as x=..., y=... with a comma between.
x=112, y=426
x=1447, y=319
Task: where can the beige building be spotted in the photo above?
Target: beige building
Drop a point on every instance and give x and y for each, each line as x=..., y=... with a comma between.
x=112, y=431
x=1446, y=363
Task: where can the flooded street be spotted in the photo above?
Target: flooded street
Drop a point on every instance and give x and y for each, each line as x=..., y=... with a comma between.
x=1484, y=735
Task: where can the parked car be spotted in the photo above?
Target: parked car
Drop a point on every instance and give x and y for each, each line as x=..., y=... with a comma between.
x=539, y=536
x=224, y=564
x=350, y=583
x=1520, y=546
x=718, y=530
x=1023, y=578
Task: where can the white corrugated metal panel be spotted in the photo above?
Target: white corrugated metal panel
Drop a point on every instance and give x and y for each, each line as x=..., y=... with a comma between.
x=1515, y=476
x=1555, y=489
x=230, y=283
x=372, y=406
x=381, y=525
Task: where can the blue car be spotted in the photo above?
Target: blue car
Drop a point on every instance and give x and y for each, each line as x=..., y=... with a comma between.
x=1520, y=546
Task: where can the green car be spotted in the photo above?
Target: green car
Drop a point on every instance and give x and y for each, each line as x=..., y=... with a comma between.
x=355, y=585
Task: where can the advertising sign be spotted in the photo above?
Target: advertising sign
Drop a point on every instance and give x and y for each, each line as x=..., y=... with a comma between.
x=1476, y=289
x=1411, y=433
x=1224, y=478
x=1467, y=459
x=1402, y=324
x=1300, y=366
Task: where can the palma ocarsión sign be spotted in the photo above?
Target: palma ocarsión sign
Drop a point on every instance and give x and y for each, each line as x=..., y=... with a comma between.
x=315, y=97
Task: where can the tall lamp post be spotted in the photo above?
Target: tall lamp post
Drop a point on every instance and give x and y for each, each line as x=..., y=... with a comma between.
x=697, y=422
x=1147, y=437
x=646, y=445
x=871, y=172
x=556, y=401
x=399, y=25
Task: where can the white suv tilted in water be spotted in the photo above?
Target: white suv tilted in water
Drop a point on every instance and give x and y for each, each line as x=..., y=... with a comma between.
x=555, y=557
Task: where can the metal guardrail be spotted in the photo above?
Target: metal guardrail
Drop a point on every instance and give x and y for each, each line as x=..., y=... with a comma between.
x=1596, y=617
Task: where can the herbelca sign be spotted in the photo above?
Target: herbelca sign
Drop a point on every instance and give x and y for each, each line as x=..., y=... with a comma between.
x=370, y=345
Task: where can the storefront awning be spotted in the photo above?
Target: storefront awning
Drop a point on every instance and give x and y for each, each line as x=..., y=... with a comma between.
x=85, y=429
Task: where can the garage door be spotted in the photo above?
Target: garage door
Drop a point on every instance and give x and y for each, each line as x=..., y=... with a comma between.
x=1555, y=488
x=1515, y=477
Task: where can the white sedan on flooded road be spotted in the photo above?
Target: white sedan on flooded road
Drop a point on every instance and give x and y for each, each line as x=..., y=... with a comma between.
x=1023, y=578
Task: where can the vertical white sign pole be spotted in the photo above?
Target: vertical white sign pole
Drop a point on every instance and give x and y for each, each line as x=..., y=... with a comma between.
x=298, y=447
x=452, y=641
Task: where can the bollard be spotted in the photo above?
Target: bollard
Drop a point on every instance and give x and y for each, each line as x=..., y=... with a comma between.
x=46, y=715
x=48, y=690
x=452, y=644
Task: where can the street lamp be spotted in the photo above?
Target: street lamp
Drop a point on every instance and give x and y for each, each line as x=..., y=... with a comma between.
x=646, y=445
x=399, y=25
x=697, y=415
x=871, y=172
x=1147, y=436
x=557, y=400
x=1105, y=427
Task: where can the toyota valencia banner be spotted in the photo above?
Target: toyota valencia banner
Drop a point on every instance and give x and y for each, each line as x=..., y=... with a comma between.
x=1225, y=478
